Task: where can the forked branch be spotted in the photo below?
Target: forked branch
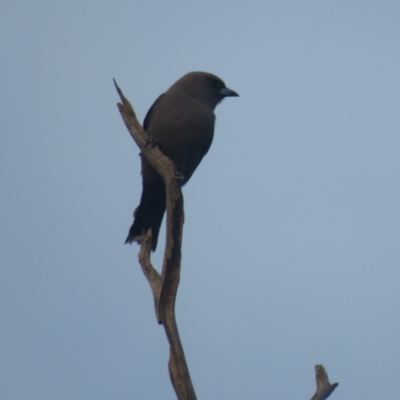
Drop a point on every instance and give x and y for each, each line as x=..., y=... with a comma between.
x=164, y=287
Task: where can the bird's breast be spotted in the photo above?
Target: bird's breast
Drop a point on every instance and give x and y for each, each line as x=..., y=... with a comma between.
x=184, y=134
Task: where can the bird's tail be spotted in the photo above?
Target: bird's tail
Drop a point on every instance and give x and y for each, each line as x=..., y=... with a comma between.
x=149, y=213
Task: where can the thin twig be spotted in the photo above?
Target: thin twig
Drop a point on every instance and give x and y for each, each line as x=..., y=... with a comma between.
x=152, y=275
x=324, y=388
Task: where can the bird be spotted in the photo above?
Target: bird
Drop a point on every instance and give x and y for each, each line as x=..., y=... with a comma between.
x=181, y=122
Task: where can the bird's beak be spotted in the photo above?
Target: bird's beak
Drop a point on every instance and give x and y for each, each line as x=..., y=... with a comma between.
x=226, y=92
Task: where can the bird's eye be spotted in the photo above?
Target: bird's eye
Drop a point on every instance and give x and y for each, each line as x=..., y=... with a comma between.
x=217, y=84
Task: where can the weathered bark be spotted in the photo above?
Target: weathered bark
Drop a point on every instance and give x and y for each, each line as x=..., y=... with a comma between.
x=324, y=388
x=164, y=287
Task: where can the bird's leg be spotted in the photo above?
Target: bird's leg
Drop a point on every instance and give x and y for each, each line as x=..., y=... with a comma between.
x=151, y=142
x=179, y=176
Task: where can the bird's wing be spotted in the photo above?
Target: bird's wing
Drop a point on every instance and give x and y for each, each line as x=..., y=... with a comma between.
x=150, y=113
x=208, y=139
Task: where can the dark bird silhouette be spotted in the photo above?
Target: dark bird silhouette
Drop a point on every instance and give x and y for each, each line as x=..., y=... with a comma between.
x=181, y=121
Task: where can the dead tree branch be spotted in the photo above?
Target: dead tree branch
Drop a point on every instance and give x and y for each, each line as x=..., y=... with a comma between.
x=164, y=287
x=324, y=388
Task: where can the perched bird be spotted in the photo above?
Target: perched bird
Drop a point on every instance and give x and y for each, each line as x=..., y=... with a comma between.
x=181, y=121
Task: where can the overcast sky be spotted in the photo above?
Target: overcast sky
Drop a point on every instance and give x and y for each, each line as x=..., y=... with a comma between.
x=291, y=249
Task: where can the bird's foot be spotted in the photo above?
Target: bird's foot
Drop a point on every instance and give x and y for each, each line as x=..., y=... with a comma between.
x=179, y=176
x=151, y=142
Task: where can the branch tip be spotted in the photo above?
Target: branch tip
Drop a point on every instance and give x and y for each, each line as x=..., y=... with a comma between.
x=324, y=387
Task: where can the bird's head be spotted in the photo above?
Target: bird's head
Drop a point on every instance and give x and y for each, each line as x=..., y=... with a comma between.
x=207, y=87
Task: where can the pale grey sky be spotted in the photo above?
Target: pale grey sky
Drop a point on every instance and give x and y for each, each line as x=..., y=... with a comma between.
x=291, y=249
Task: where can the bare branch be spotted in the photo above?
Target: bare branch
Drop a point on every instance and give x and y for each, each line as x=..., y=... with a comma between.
x=164, y=286
x=163, y=165
x=149, y=271
x=324, y=388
